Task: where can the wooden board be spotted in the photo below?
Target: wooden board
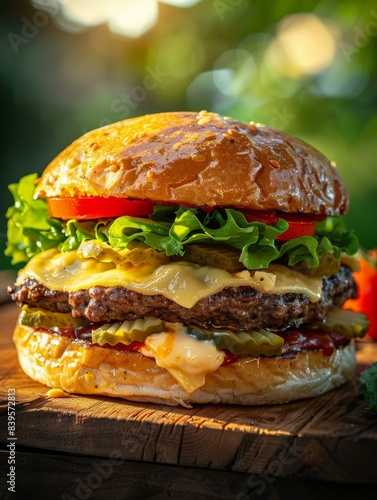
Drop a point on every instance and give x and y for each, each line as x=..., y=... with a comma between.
x=329, y=438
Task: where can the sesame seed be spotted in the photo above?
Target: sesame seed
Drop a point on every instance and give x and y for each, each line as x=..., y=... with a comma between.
x=56, y=393
x=274, y=163
x=139, y=135
x=150, y=174
x=252, y=128
x=190, y=136
x=128, y=140
x=197, y=157
x=333, y=164
x=113, y=168
x=204, y=121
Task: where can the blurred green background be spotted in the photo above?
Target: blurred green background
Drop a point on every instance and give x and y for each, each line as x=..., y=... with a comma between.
x=307, y=67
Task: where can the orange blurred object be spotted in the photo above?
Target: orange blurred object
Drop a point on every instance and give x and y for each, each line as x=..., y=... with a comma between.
x=366, y=302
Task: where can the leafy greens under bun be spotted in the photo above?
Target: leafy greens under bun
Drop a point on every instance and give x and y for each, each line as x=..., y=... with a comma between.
x=191, y=246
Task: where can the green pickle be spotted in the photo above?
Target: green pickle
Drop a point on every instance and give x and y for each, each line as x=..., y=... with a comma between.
x=328, y=266
x=38, y=318
x=222, y=256
x=127, y=331
x=135, y=253
x=255, y=343
x=348, y=323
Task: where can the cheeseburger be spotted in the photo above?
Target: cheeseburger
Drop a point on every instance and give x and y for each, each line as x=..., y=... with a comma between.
x=185, y=258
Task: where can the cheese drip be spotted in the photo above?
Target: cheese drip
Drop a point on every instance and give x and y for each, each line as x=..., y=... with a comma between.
x=187, y=359
x=182, y=282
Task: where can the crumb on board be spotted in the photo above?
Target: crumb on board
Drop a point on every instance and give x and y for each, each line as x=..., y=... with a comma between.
x=56, y=393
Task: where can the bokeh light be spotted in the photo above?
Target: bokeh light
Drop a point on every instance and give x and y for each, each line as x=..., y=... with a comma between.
x=308, y=68
x=304, y=45
x=130, y=18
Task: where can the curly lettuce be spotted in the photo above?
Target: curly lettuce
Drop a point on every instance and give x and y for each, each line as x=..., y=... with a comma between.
x=255, y=240
x=30, y=229
x=169, y=229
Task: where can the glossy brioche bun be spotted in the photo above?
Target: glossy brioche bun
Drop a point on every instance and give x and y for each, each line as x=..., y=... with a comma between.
x=197, y=159
x=77, y=367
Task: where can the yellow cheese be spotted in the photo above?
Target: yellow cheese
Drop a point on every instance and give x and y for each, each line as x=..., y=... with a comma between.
x=182, y=282
x=187, y=359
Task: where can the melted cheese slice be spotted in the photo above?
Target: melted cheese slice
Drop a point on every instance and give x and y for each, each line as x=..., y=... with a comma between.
x=187, y=359
x=182, y=282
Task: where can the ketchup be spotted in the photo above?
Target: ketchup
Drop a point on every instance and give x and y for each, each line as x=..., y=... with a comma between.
x=311, y=340
x=229, y=357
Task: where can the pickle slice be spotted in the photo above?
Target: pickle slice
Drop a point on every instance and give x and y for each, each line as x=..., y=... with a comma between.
x=349, y=261
x=348, y=323
x=135, y=253
x=328, y=266
x=222, y=256
x=127, y=331
x=99, y=251
x=39, y=318
x=138, y=253
x=254, y=343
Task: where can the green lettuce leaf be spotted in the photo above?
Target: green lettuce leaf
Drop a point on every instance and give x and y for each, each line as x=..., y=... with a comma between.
x=30, y=230
x=368, y=386
x=255, y=240
x=75, y=233
x=169, y=229
x=333, y=230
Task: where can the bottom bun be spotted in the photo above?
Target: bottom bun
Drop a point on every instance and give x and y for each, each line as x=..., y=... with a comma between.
x=78, y=367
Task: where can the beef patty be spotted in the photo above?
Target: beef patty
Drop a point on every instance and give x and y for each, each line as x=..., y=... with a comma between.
x=235, y=308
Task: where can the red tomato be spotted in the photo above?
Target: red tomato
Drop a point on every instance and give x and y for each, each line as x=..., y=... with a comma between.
x=366, y=279
x=97, y=207
x=299, y=225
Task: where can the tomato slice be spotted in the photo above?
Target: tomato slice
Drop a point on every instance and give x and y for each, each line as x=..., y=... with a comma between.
x=297, y=229
x=299, y=224
x=97, y=207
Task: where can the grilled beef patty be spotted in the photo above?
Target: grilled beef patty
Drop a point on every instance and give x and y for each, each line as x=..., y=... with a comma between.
x=235, y=308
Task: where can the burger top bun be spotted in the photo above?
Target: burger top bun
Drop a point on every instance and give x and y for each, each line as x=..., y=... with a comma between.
x=199, y=159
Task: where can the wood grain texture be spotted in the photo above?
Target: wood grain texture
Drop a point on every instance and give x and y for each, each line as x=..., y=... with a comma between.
x=329, y=438
x=65, y=477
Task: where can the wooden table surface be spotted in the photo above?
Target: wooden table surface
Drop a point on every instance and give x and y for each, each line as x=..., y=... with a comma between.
x=90, y=447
